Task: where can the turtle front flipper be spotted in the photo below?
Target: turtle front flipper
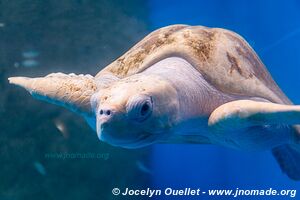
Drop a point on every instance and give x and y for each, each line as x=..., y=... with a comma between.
x=241, y=114
x=245, y=116
x=68, y=90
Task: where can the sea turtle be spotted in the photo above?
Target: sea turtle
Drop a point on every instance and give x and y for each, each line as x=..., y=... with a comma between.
x=190, y=84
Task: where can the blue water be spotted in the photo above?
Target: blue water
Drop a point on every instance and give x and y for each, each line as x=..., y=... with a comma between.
x=273, y=29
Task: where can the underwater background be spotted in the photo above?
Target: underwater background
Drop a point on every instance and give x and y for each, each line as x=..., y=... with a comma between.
x=47, y=152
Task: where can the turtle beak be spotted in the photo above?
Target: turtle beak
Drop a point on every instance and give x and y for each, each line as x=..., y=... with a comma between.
x=105, y=122
x=105, y=117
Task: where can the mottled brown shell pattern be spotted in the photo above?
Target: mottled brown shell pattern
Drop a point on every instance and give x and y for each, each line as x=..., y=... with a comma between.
x=223, y=57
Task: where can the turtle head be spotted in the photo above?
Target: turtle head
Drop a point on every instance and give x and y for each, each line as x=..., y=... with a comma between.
x=135, y=111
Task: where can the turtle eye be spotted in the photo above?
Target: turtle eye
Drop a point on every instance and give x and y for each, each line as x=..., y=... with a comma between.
x=145, y=108
x=139, y=108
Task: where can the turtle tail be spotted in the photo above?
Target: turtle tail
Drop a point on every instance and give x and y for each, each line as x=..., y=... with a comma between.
x=288, y=158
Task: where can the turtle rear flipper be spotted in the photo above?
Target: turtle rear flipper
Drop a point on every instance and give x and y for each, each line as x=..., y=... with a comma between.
x=288, y=159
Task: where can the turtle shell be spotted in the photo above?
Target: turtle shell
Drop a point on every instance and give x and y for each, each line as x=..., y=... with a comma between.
x=223, y=58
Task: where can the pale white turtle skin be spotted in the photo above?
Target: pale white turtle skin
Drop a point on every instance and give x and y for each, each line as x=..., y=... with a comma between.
x=182, y=83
